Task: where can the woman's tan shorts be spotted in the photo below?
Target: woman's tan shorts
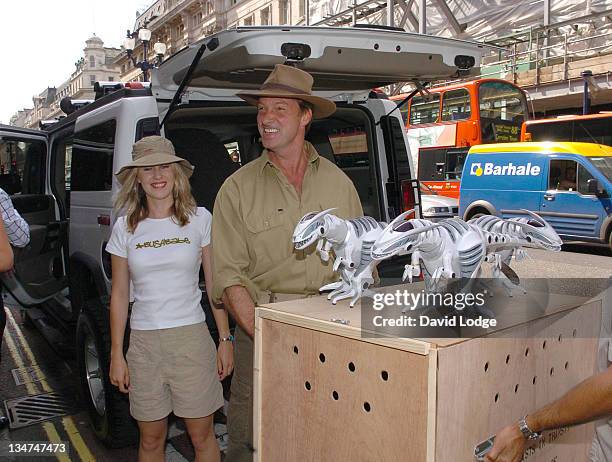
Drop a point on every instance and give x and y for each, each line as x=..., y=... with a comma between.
x=173, y=370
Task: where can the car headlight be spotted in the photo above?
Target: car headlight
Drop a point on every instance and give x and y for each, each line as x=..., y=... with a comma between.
x=432, y=210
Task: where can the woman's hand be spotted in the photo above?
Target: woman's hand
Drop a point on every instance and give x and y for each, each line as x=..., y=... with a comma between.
x=225, y=359
x=119, y=374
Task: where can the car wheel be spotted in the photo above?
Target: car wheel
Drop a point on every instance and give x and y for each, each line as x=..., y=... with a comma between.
x=107, y=407
x=478, y=213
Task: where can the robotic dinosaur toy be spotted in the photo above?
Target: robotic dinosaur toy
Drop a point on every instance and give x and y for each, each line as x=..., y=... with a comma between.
x=350, y=241
x=453, y=248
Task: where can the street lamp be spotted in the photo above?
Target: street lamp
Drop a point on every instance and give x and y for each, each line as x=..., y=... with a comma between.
x=144, y=35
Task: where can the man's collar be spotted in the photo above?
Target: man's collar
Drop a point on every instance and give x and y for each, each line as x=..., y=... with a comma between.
x=313, y=156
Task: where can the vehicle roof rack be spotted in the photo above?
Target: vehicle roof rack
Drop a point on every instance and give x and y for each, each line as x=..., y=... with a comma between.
x=104, y=88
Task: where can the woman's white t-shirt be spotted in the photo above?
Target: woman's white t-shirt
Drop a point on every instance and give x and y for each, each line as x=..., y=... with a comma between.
x=164, y=262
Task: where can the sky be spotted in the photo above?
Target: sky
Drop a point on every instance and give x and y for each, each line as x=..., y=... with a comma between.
x=42, y=39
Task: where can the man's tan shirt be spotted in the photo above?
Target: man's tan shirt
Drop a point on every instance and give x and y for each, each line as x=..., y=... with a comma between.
x=255, y=214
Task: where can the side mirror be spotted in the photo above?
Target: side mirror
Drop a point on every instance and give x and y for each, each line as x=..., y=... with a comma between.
x=595, y=188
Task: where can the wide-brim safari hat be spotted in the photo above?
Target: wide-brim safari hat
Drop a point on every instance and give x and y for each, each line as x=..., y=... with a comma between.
x=290, y=82
x=151, y=151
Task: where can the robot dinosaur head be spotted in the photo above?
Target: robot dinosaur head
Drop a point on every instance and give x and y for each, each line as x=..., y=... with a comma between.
x=309, y=229
x=399, y=236
x=539, y=234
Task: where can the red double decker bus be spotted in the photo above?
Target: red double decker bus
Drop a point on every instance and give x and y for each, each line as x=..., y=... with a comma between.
x=443, y=124
x=590, y=128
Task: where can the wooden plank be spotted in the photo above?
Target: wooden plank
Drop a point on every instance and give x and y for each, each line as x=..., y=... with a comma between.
x=314, y=402
x=257, y=398
x=432, y=404
x=349, y=331
x=317, y=313
x=494, y=381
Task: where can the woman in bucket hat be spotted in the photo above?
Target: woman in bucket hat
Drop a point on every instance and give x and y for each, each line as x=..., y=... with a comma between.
x=158, y=246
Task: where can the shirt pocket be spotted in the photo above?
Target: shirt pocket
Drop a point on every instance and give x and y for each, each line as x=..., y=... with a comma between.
x=270, y=237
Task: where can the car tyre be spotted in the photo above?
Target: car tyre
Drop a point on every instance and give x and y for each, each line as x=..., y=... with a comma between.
x=107, y=407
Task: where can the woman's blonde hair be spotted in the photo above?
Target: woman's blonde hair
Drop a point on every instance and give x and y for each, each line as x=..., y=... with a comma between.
x=131, y=199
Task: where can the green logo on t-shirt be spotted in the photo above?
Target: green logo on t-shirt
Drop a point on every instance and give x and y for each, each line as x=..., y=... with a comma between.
x=161, y=243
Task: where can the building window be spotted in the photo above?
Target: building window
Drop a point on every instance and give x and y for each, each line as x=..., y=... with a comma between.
x=265, y=16
x=283, y=11
x=92, y=61
x=92, y=80
x=249, y=20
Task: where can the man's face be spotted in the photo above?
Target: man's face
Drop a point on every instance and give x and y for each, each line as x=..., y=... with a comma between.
x=281, y=122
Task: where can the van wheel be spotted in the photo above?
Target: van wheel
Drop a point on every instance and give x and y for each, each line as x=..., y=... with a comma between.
x=478, y=213
x=107, y=407
x=610, y=240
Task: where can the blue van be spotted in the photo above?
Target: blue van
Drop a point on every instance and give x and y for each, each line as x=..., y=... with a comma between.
x=568, y=184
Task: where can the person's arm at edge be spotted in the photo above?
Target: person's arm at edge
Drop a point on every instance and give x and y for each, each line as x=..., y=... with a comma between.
x=225, y=353
x=6, y=252
x=587, y=401
x=19, y=237
x=119, y=374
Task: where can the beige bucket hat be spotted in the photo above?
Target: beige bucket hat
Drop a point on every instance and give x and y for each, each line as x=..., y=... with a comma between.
x=150, y=151
x=290, y=82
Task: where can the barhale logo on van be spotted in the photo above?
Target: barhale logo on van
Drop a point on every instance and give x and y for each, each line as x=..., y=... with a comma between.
x=501, y=170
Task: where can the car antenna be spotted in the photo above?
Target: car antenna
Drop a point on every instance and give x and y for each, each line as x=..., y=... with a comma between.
x=420, y=87
x=212, y=44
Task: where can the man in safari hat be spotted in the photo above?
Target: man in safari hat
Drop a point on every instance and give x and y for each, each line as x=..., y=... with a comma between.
x=254, y=216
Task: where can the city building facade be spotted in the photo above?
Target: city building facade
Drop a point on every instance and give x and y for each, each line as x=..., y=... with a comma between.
x=97, y=63
x=177, y=23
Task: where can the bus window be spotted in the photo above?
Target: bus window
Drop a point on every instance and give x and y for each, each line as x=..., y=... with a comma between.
x=502, y=111
x=404, y=112
x=456, y=105
x=593, y=131
x=425, y=110
x=455, y=158
x=559, y=131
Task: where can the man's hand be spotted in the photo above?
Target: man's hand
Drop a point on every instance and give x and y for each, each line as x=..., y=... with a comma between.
x=509, y=445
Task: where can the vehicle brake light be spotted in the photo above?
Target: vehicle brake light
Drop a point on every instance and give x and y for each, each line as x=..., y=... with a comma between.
x=408, y=199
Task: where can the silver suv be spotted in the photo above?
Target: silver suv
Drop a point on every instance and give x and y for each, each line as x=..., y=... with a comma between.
x=62, y=179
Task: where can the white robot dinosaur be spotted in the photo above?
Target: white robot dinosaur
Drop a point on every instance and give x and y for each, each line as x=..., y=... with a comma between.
x=453, y=248
x=350, y=241
x=506, y=238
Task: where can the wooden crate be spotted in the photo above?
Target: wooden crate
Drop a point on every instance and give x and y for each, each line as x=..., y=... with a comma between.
x=323, y=392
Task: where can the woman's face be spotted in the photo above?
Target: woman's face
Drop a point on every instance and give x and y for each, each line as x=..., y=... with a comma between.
x=157, y=182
